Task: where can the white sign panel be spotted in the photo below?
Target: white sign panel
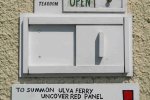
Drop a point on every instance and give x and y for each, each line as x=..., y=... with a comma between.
x=48, y=6
x=62, y=6
x=75, y=92
x=94, y=5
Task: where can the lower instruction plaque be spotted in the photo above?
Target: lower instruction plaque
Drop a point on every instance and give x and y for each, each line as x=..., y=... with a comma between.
x=75, y=92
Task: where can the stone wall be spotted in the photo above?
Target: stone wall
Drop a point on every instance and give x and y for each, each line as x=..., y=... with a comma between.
x=9, y=44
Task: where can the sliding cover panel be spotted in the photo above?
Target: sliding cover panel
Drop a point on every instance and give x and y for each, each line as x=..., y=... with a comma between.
x=100, y=45
x=74, y=44
x=51, y=45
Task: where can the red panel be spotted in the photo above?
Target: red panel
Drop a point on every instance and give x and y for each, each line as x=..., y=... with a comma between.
x=128, y=95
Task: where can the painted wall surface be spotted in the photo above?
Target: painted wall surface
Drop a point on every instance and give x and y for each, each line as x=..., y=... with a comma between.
x=9, y=44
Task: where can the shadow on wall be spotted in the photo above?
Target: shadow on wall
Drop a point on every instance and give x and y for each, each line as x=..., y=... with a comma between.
x=73, y=80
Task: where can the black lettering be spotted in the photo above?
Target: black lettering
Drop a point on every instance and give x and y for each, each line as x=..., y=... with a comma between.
x=28, y=89
x=82, y=3
x=75, y=96
x=85, y=96
x=44, y=3
x=72, y=3
x=20, y=89
x=88, y=3
x=40, y=3
x=40, y=89
x=77, y=2
x=42, y=95
x=48, y=3
x=55, y=96
x=93, y=96
x=101, y=96
x=66, y=96
x=56, y=3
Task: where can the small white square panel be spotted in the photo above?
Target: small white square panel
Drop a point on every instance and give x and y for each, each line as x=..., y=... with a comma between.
x=51, y=45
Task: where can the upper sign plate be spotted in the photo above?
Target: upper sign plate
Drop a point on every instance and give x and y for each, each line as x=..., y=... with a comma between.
x=81, y=6
x=94, y=5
